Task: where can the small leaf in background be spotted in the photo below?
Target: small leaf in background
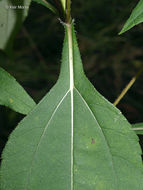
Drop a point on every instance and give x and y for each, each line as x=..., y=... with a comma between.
x=46, y=4
x=135, y=18
x=73, y=139
x=13, y=95
x=138, y=128
x=12, y=16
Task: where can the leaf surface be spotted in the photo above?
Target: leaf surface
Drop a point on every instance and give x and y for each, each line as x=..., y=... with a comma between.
x=73, y=140
x=13, y=95
x=135, y=18
x=46, y=4
x=11, y=17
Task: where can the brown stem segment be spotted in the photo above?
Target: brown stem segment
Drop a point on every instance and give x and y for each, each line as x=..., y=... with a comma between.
x=129, y=85
x=68, y=11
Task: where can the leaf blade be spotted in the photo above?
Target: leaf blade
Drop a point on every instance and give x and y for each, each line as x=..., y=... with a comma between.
x=13, y=95
x=63, y=2
x=135, y=18
x=11, y=19
x=47, y=5
x=78, y=152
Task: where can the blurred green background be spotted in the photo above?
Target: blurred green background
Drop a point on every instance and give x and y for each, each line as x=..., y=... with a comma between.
x=109, y=60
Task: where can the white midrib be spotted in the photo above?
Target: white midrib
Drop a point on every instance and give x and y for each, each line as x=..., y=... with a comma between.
x=70, y=47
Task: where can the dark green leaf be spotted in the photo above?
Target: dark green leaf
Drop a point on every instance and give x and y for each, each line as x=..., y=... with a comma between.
x=135, y=18
x=13, y=95
x=11, y=17
x=73, y=139
x=138, y=128
x=46, y=4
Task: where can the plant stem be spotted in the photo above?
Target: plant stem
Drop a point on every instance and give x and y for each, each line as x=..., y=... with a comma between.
x=129, y=85
x=68, y=11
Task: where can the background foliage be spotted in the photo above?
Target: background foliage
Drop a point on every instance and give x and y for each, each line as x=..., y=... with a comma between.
x=109, y=60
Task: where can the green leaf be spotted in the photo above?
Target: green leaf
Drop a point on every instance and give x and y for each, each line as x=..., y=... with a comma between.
x=11, y=17
x=63, y=4
x=13, y=95
x=46, y=4
x=138, y=128
x=135, y=18
x=73, y=139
